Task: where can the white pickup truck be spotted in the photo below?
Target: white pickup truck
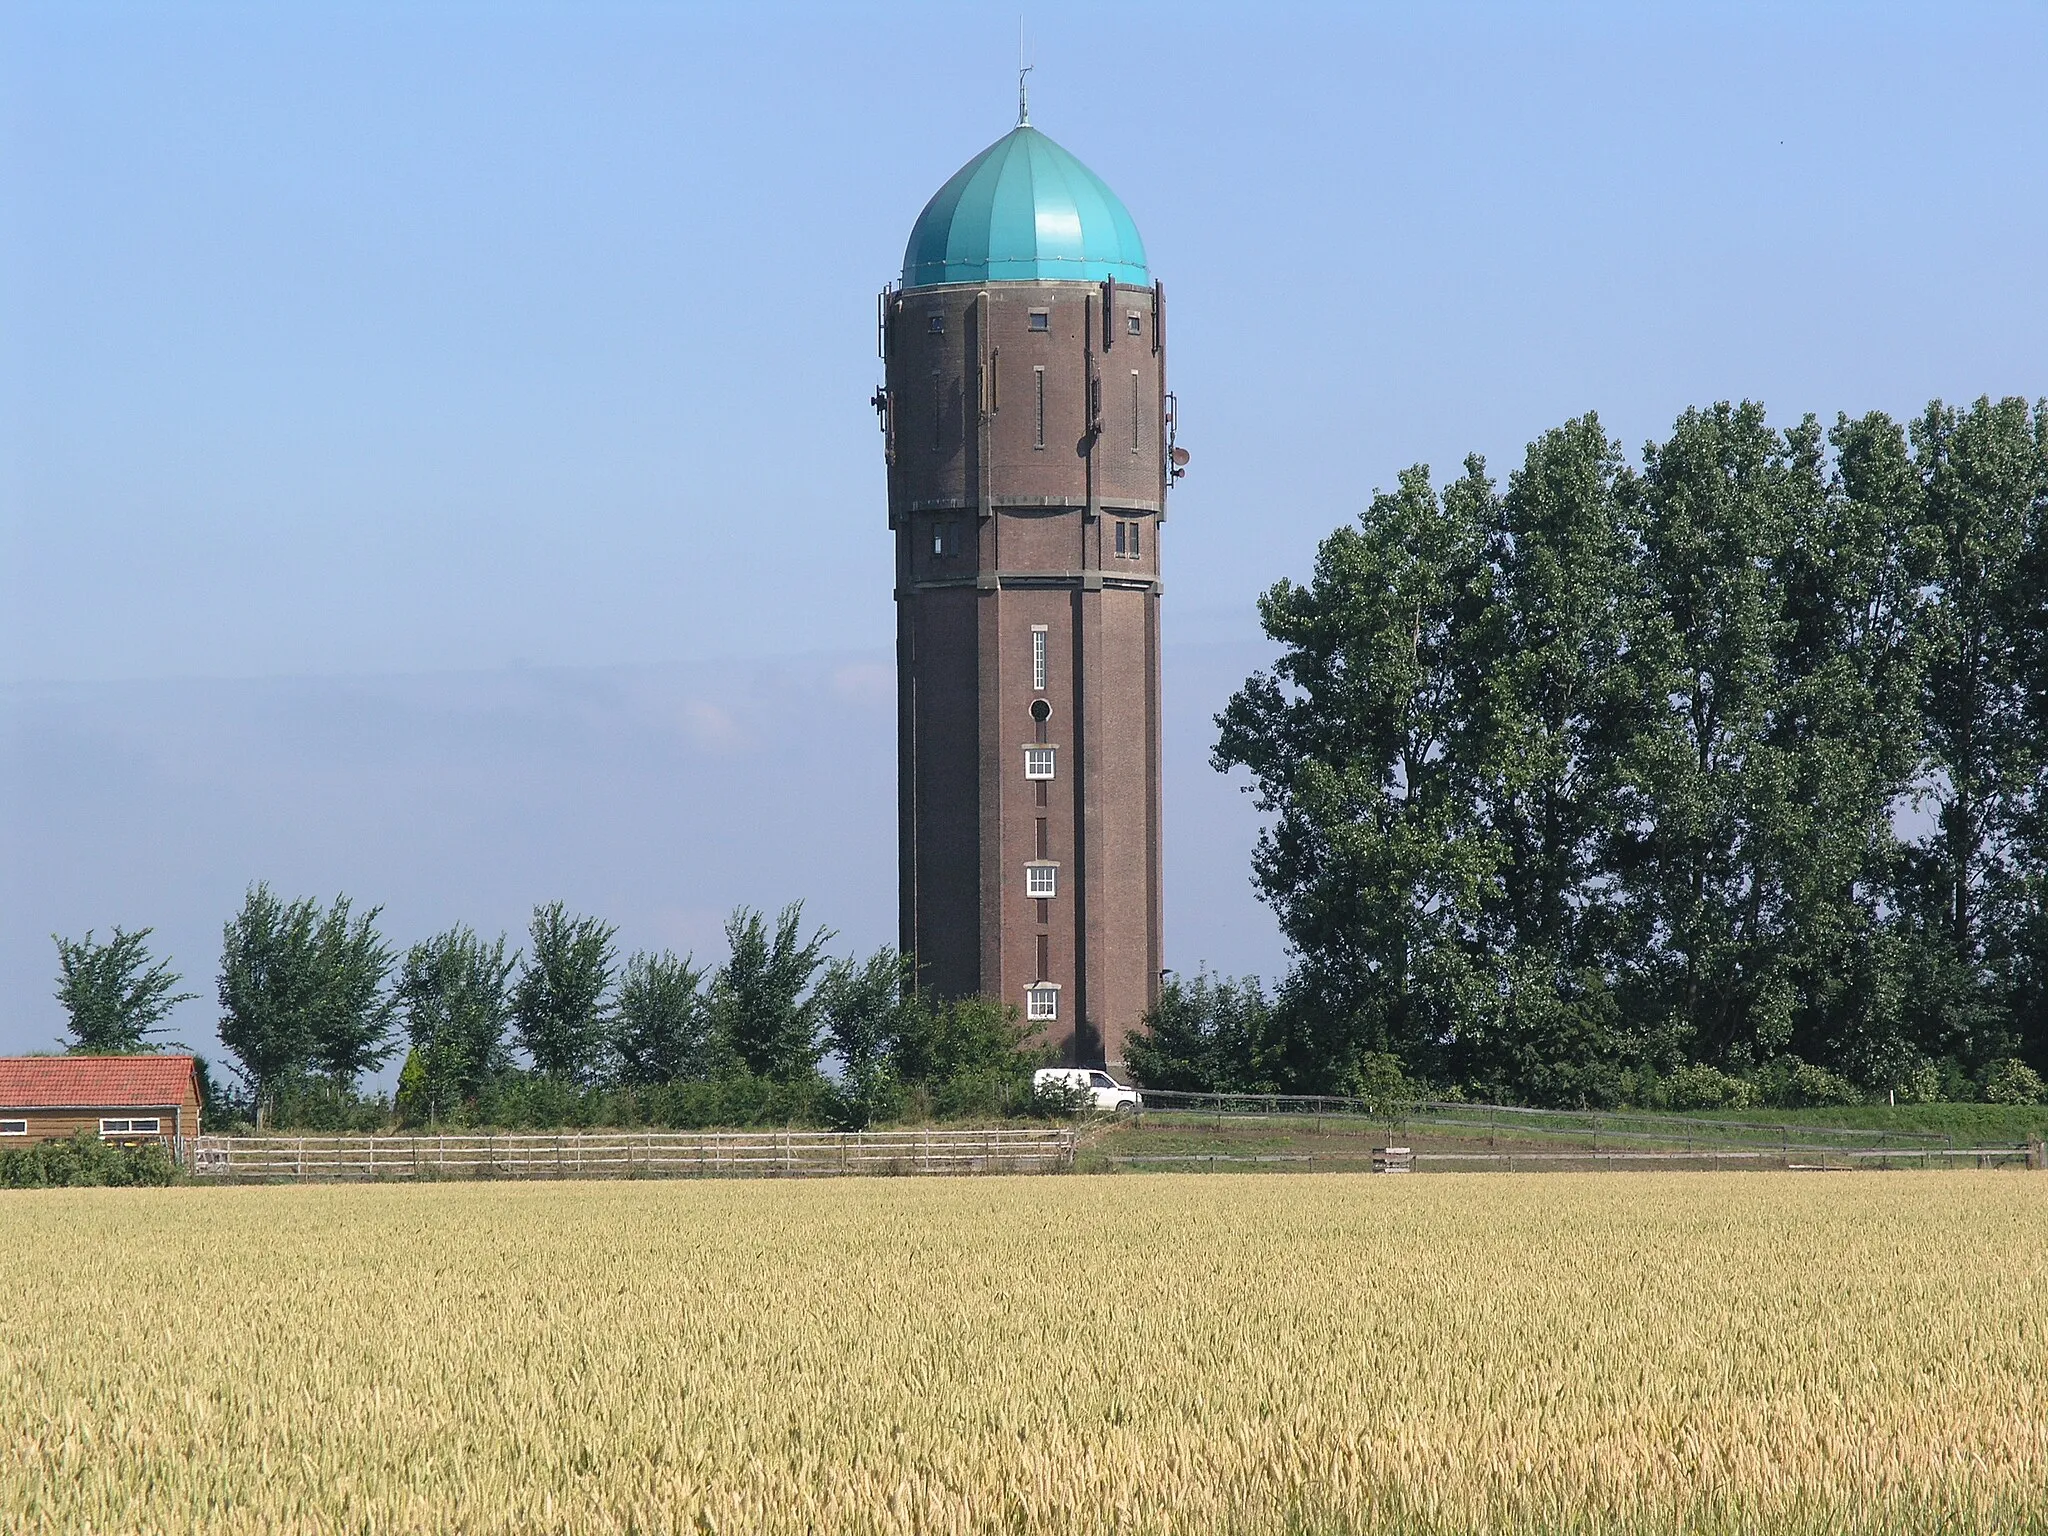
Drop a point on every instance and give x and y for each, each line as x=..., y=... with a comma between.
x=1091, y=1086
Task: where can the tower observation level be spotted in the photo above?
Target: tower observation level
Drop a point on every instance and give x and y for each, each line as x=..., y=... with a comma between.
x=1028, y=435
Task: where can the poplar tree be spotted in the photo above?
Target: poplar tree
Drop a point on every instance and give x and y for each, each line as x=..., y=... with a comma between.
x=114, y=994
x=558, y=1004
x=452, y=997
x=661, y=1021
x=763, y=1009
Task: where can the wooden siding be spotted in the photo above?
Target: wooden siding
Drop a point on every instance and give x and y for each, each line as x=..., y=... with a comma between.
x=56, y=1124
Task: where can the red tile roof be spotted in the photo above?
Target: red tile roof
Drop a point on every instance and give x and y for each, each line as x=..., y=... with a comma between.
x=83, y=1082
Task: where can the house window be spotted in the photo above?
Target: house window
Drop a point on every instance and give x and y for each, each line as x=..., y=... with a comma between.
x=1134, y=539
x=148, y=1127
x=1041, y=320
x=936, y=324
x=1120, y=527
x=1042, y=1002
x=13, y=1127
x=946, y=540
x=1038, y=762
x=1133, y=324
x=1041, y=408
x=1135, y=394
x=1127, y=541
x=1038, y=645
x=1041, y=881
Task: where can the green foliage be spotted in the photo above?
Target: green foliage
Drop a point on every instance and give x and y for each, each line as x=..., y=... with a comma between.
x=452, y=996
x=351, y=1031
x=661, y=1022
x=763, y=1010
x=302, y=994
x=84, y=1159
x=1789, y=1083
x=863, y=1005
x=1704, y=1087
x=114, y=994
x=1210, y=1035
x=558, y=1005
x=1580, y=785
x=2014, y=1082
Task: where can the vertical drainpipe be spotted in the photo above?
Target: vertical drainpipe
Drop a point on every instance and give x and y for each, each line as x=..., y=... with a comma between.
x=993, y=884
x=1088, y=903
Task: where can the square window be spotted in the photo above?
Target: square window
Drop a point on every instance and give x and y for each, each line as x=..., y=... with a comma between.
x=1041, y=881
x=1040, y=320
x=1038, y=762
x=936, y=324
x=1042, y=1003
x=1134, y=324
x=13, y=1127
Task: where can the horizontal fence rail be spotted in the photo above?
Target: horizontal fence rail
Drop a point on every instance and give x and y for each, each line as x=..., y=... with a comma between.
x=1662, y=1131
x=1403, y=1160
x=630, y=1154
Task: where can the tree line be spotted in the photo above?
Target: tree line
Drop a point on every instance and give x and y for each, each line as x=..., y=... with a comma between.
x=313, y=1000
x=1717, y=776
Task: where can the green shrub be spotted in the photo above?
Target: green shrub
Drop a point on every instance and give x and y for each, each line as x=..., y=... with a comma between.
x=1704, y=1087
x=2012, y=1081
x=84, y=1159
x=1789, y=1083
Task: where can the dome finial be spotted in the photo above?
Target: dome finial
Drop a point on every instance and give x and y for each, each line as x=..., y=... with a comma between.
x=1023, y=98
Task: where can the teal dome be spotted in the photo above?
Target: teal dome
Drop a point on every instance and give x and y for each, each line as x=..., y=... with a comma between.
x=1024, y=211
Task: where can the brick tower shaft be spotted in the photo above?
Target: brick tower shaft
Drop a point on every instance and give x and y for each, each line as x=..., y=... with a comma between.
x=1026, y=427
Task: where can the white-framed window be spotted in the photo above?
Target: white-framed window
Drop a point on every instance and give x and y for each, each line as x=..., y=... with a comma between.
x=1041, y=880
x=1039, y=641
x=146, y=1126
x=1039, y=762
x=1042, y=1001
x=13, y=1127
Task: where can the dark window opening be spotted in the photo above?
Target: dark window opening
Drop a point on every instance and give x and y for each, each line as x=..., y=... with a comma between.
x=1040, y=320
x=1135, y=326
x=937, y=325
x=1041, y=408
x=1044, y=955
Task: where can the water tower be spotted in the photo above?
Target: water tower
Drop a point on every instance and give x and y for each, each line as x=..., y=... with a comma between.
x=1029, y=439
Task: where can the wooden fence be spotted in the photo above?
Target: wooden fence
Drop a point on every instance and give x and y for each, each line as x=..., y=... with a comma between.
x=635, y=1154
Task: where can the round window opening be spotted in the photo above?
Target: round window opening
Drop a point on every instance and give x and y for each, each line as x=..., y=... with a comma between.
x=1041, y=711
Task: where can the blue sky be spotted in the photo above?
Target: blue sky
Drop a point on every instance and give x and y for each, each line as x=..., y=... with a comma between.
x=462, y=344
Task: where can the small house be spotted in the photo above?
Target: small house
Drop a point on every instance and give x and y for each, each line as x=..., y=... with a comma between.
x=127, y=1099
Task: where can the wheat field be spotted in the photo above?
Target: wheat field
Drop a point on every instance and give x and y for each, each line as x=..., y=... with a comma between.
x=1511, y=1353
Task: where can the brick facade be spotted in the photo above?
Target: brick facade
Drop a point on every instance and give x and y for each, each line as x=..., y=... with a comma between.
x=1026, y=436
